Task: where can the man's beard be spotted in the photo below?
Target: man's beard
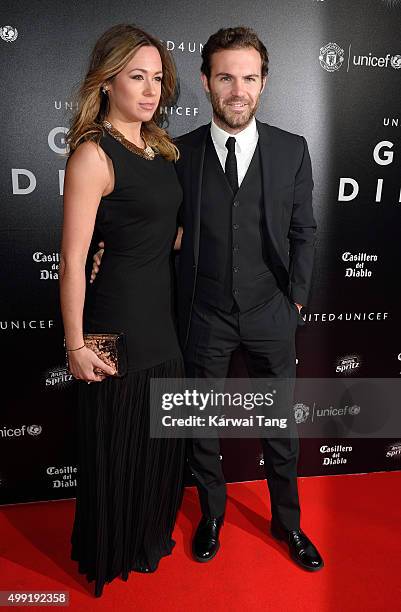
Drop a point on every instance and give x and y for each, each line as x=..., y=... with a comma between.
x=231, y=119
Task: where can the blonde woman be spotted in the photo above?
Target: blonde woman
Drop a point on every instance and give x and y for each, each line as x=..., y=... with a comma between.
x=120, y=183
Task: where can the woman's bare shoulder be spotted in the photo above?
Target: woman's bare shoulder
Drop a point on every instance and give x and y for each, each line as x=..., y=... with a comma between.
x=88, y=153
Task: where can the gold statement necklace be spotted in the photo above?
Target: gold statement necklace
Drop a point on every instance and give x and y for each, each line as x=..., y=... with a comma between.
x=146, y=153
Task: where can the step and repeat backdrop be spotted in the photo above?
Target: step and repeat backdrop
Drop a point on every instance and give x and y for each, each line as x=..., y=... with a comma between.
x=335, y=75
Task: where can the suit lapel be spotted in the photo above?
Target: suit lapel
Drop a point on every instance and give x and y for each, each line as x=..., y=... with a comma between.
x=266, y=158
x=196, y=173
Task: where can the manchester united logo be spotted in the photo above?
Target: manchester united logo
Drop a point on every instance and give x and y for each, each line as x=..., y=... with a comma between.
x=331, y=57
x=301, y=413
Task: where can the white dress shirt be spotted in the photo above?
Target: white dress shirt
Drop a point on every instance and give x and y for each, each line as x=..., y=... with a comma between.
x=245, y=146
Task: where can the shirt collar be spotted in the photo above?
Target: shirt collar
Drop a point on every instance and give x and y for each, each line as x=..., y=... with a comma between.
x=244, y=139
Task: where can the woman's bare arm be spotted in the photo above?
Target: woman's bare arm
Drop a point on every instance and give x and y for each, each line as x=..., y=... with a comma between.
x=87, y=178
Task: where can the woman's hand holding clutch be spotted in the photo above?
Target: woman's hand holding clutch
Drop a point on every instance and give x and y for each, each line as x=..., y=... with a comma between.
x=85, y=365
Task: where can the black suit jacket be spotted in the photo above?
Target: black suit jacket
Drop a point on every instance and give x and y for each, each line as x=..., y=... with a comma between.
x=287, y=194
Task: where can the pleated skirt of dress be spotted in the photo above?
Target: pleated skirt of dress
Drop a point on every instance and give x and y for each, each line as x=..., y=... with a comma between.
x=129, y=485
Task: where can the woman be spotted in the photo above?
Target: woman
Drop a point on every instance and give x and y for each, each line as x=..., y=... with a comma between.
x=121, y=184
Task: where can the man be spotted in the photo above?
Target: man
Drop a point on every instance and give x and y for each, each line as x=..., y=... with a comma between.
x=245, y=268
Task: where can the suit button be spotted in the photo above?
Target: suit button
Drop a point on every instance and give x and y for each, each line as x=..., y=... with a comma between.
x=235, y=226
x=235, y=291
x=235, y=248
x=236, y=203
x=235, y=269
x=194, y=267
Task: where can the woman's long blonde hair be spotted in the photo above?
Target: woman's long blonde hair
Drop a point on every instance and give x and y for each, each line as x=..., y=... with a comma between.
x=112, y=52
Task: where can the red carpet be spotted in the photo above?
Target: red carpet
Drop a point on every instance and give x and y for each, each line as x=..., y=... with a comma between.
x=354, y=520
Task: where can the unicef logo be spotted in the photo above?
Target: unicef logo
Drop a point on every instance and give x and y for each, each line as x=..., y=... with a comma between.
x=331, y=57
x=34, y=430
x=396, y=62
x=8, y=33
x=354, y=409
x=301, y=413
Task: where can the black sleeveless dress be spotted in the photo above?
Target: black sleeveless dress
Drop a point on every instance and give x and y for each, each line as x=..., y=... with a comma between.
x=130, y=485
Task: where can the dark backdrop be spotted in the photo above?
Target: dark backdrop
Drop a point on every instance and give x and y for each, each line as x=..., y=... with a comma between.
x=343, y=108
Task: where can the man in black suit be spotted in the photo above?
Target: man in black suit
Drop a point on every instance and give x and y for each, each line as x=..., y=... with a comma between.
x=245, y=267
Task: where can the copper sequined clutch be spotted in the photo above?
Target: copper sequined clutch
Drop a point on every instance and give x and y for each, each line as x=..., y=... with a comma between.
x=110, y=348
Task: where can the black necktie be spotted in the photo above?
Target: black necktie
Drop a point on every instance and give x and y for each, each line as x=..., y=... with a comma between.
x=231, y=165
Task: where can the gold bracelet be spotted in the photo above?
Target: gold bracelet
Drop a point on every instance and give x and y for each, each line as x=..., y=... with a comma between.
x=77, y=349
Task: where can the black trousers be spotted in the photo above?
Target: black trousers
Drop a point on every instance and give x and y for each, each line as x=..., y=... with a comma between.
x=266, y=334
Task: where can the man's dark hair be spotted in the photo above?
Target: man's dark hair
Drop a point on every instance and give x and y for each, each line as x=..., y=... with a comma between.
x=233, y=38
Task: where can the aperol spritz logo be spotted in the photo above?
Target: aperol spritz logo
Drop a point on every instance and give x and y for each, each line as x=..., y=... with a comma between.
x=393, y=451
x=58, y=378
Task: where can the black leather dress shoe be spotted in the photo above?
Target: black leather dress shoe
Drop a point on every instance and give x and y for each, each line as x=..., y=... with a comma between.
x=206, y=541
x=301, y=549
